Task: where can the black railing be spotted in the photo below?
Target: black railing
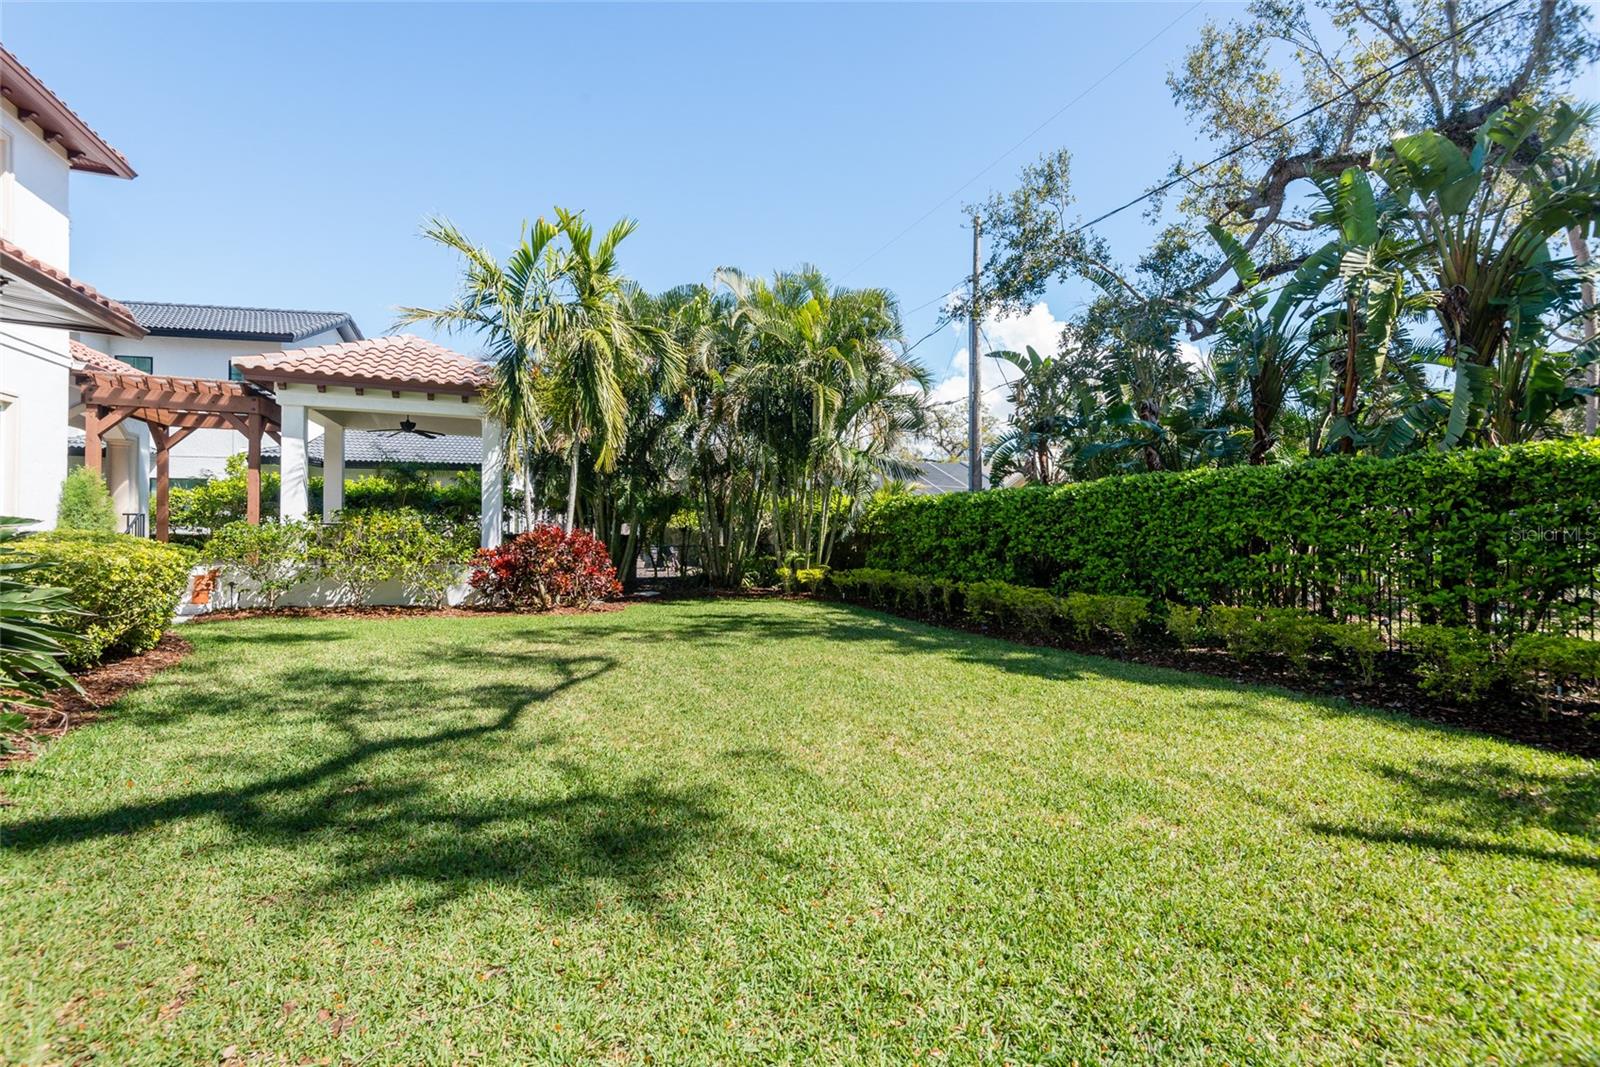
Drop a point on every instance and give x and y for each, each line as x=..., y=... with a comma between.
x=135, y=523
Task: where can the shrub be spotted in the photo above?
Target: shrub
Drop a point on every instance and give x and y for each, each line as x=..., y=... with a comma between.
x=760, y=573
x=545, y=568
x=1355, y=644
x=1123, y=616
x=1455, y=537
x=126, y=587
x=272, y=557
x=1011, y=607
x=1539, y=663
x=1250, y=632
x=1452, y=662
x=365, y=549
x=86, y=503
x=1183, y=623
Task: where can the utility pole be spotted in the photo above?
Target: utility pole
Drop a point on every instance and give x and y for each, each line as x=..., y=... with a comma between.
x=974, y=385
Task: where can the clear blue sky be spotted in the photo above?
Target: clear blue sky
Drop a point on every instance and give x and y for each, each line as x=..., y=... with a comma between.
x=288, y=153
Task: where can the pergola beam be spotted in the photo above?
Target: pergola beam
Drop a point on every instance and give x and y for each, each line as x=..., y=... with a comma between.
x=173, y=408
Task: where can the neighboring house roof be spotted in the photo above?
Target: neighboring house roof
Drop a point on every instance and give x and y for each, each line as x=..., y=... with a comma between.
x=937, y=478
x=398, y=362
x=86, y=150
x=239, y=323
x=33, y=293
x=86, y=358
x=380, y=448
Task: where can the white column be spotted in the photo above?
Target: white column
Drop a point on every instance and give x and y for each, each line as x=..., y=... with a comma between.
x=142, y=464
x=120, y=475
x=292, y=500
x=492, y=483
x=332, y=470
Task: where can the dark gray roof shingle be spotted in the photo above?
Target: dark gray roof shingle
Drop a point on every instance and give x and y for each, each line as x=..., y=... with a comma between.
x=236, y=323
x=371, y=447
x=937, y=478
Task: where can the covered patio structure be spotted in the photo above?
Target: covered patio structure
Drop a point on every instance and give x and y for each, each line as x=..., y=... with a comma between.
x=172, y=408
x=401, y=384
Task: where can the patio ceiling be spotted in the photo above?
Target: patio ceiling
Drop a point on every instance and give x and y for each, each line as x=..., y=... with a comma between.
x=34, y=293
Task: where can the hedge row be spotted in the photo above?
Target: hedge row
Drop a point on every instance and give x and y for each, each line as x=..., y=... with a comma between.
x=1501, y=540
x=126, y=588
x=1452, y=663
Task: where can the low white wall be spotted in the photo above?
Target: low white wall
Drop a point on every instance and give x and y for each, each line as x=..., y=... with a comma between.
x=233, y=593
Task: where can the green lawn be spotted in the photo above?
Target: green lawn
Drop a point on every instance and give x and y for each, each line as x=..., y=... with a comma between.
x=778, y=831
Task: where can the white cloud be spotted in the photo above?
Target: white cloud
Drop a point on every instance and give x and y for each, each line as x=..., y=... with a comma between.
x=1037, y=327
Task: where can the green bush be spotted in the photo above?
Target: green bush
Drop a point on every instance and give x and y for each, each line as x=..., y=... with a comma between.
x=1453, y=662
x=1013, y=608
x=1474, y=536
x=366, y=549
x=126, y=587
x=1538, y=663
x=760, y=572
x=1251, y=632
x=1183, y=623
x=1356, y=645
x=272, y=557
x=86, y=503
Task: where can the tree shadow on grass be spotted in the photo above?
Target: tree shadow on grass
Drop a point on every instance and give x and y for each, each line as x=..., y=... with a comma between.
x=1477, y=807
x=470, y=800
x=1466, y=802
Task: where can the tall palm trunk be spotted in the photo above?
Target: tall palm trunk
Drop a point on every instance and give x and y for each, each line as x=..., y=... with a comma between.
x=572, y=490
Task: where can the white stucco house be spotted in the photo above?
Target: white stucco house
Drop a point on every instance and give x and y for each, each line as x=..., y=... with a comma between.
x=157, y=392
x=201, y=341
x=42, y=143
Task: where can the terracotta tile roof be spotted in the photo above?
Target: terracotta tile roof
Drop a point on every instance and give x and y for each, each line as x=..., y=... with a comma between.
x=398, y=362
x=86, y=150
x=17, y=263
x=88, y=358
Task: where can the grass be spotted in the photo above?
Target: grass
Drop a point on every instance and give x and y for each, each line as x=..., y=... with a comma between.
x=774, y=831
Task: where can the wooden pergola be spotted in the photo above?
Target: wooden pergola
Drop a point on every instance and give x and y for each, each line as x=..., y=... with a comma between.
x=173, y=408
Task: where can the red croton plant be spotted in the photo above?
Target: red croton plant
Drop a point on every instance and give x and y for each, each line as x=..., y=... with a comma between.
x=545, y=568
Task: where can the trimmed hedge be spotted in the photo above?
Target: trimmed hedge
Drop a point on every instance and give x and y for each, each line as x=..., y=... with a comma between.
x=128, y=588
x=1498, y=539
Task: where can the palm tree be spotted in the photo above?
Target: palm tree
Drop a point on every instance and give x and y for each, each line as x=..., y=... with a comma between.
x=597, y=349
x=512, y=307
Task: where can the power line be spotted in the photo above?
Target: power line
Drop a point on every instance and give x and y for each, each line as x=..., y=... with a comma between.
x=925, y=216
x=1312, y=110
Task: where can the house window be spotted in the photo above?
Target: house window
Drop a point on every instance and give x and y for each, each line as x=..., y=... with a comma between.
x=234, y=373
x=144, y=363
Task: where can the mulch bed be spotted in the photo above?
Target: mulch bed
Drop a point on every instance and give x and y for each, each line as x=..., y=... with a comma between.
x=390, y=612
x=102, y=687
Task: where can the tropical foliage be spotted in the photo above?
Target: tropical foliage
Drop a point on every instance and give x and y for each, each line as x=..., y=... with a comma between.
x=1427, y=297
x=765, y=408
x=33, y=641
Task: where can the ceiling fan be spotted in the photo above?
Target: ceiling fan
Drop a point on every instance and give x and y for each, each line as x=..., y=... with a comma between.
x=407, y=426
